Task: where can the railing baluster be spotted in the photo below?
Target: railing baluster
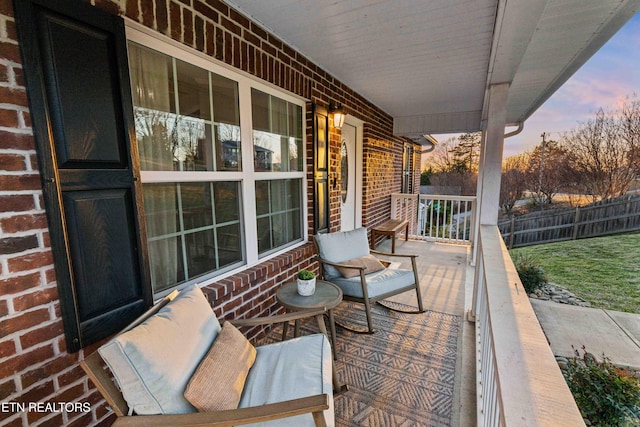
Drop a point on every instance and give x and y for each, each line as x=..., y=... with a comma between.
x=450, y=222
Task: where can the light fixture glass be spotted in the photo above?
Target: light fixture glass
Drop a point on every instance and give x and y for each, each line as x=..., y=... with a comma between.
x=338, y=115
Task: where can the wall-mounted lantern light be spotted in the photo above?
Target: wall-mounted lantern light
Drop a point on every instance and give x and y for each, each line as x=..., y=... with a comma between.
x=338, y=115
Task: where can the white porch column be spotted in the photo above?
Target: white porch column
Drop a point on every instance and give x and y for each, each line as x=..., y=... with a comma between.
x=489, y=177
x=492, y=148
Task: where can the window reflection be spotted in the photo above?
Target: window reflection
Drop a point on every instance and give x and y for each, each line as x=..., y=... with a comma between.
x=277, y=133
x=173, y=102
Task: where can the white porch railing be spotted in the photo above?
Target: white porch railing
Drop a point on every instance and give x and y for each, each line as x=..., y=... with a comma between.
x=518, y=380
x=440, y=218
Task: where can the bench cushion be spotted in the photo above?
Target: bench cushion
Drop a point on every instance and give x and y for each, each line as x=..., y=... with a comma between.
x=341, y=246
x=153, y=362
x=288, y=370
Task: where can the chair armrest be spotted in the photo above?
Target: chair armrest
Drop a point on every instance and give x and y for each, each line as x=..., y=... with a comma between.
x=259, y=321
x=92, y=366
x=273, y=411
x=373, y=251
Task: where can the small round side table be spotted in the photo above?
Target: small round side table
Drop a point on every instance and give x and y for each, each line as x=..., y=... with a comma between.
x=327, y=295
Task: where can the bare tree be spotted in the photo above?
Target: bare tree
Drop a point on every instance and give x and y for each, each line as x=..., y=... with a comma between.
x=441, y=158
x=629, y=122
x=514, y=181
x=547, y=171
x=454, y=163
x=601, y=157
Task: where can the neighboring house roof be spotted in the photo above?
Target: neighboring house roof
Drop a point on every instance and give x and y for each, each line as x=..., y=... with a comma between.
x=429, y=63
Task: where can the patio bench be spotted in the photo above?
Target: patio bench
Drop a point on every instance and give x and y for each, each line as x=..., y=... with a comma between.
x=390, y=228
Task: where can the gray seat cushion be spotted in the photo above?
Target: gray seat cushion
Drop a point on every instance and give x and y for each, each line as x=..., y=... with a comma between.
x=290, y=370
x=378, y=283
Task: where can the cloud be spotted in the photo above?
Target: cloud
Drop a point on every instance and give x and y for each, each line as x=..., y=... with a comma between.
x=603, y=82
x=590, y=93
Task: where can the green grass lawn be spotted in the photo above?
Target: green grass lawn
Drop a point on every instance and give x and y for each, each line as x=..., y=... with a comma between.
x=604, y=270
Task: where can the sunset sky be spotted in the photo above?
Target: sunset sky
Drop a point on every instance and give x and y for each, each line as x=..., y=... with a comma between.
x=603, y=82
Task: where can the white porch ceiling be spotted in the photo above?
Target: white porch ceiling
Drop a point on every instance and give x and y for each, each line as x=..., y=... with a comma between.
x=429, y=63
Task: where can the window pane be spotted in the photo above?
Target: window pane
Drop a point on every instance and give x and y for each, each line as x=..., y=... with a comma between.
x=262, y=197
x=280, y=224
x=193, y=91
x=151, y=79
x=200, y=253
x=191, y=145
x=228, y=147
x=225, y=100
x=226, y=201
x=153, y=98
x=279, y=116
x=295, y=121
x=277, y=139
x=160, y=205
x=175, y=127
x=186, y=238
x=278, y=230
x=293, y=225
x=293, y=194
x=197, y=211
x=229, y=245
x=260, y=110
x=167, y=269
x=264, y=234
x=278, y=195
x=227, y=117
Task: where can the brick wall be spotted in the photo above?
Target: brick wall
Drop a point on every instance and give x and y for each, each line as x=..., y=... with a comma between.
x=34, y=364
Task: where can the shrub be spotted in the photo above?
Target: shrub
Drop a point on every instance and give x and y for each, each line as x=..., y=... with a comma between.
x=606, y=394
x=531, y=274
x=306, y=275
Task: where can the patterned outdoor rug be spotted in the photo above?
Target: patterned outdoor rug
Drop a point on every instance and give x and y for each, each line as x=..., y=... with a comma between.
x=402, y=375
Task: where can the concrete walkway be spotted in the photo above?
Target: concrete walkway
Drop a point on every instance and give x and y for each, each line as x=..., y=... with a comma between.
x=613, y=333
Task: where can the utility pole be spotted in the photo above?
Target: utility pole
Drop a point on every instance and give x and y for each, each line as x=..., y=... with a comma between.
x=541, y=171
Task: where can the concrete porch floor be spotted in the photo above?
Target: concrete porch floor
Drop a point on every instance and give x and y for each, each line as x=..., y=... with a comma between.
x=446, y=282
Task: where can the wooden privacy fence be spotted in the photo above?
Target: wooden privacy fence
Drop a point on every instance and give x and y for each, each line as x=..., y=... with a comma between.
x=609, y=216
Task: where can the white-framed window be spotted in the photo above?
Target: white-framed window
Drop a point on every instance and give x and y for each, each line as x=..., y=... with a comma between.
x=221, y=158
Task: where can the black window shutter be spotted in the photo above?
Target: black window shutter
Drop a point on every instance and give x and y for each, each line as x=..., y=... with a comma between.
x=75, y=62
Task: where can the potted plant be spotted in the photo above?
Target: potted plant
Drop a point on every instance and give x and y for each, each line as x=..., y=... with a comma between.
x=306, y=282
